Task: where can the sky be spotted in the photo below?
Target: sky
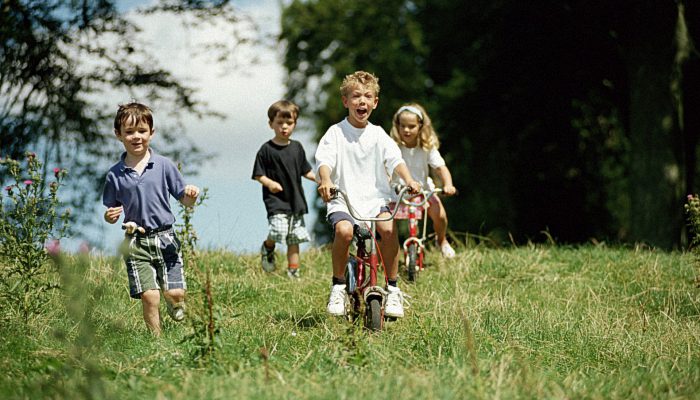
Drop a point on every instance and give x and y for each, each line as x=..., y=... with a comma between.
x=233, y=217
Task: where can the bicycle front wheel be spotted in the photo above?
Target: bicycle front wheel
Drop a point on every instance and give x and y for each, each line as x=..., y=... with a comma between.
x=411, y=262
x=376, y=319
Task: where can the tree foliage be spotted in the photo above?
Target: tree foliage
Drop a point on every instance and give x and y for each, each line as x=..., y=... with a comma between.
x=534, y=103
x=60, y=59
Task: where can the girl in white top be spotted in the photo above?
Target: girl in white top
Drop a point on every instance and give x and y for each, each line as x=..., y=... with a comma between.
x=413, y=132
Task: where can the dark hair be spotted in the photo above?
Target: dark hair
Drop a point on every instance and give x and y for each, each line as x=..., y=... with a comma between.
x=284, y=108
x=133, y=113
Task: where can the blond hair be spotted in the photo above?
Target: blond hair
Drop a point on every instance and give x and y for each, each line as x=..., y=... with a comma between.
x=427, y=137
x=285, y=108
x=359, y=78
x=133, y=113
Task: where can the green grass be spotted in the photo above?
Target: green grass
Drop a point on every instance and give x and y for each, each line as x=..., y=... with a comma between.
x=530, y=322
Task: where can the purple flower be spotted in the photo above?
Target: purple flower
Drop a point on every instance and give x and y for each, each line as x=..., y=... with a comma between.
x=28, y=182
x=9, y=189
x=56, y=171
x=53, y=247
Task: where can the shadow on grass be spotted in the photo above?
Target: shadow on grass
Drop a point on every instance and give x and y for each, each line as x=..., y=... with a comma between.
x=305, y=321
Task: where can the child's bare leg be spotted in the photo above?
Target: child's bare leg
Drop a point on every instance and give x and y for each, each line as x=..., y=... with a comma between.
x=174, y=296
x=150, y=300
x=438, y=215
x=389, y=246
x=293, y=256
x=341, y=248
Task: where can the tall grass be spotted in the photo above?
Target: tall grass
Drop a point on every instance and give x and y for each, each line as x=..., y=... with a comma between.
x=524, y=322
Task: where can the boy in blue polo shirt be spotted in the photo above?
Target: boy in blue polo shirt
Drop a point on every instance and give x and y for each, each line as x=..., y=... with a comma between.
x=140, y=186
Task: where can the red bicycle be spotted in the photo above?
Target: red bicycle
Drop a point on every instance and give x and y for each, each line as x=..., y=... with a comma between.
x=365, y=297
x=414, y=246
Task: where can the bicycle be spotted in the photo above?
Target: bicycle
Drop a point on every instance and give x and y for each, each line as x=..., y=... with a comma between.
x=361, y=270
x=414, y=246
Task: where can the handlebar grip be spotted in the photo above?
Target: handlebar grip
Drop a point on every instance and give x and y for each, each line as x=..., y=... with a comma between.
x=334, y=192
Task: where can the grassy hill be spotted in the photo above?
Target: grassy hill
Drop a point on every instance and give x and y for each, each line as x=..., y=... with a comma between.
x=521, y=322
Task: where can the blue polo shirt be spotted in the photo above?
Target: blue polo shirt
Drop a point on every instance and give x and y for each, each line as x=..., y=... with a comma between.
x=145, y=197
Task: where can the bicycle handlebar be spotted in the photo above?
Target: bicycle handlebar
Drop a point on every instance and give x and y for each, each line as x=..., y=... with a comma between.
x=427, y=194
x=402, y=192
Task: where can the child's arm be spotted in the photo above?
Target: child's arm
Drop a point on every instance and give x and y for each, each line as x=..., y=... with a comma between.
x=271, y=185
x=310, y=175
x=405, y=174
x=324, y=183
x=446, y=179
x=190, y=196
x=113, y=213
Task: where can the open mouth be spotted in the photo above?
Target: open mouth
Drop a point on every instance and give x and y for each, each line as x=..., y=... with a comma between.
x=361, y=112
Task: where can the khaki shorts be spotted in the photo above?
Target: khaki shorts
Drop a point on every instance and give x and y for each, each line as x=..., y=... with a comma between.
x=154, y=261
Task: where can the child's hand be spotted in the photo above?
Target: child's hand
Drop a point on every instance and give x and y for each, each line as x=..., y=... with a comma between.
x=113, y=213
x=414, y=187
x=191, y=191
x=449, y=190
x=274, y=187
x=324, y=190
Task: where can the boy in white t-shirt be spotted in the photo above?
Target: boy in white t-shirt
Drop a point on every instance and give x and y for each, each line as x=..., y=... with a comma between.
x=359, y=157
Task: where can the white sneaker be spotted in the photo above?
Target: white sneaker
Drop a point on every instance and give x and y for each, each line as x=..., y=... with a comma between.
x=394, y=302
x=176, y=311
x=447, y=250
x=293, y=273
x=336, y=301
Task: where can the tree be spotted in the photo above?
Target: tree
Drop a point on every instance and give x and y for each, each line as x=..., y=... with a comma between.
x=58, y=57
x=557, y=115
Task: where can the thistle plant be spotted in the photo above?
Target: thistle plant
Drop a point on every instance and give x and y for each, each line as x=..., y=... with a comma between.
x=204, y=338
x=29, y=227
x=692, y=211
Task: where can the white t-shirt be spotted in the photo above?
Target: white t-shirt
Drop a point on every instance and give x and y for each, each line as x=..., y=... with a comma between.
x=361, y=161
x=419, y=161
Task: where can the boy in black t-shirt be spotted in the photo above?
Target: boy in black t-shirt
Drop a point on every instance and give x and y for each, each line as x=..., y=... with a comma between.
x=279, y=166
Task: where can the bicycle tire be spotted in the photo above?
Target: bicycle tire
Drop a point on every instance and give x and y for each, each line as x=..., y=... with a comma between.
x=351, y=275
x=376, y=320
x=411, y=265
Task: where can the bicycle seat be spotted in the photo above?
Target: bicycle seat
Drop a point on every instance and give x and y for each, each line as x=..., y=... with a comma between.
x=361, y=232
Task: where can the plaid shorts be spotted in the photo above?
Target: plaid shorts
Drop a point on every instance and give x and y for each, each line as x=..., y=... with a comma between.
x=287, y=228
x=154, y=261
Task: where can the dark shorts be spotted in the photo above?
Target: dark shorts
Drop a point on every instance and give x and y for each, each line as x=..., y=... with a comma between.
x=334, y=218
x=154, y=261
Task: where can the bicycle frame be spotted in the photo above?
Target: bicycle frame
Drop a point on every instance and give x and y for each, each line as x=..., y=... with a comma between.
x=413, y=259
x=363, y=289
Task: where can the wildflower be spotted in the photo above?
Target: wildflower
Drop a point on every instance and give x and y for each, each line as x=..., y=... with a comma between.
x=31, y=156
x=53, y=247
x=56, y=171
x=8, y=189
x=28, y=182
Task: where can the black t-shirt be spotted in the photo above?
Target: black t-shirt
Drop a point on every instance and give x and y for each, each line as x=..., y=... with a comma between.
x=286, y=165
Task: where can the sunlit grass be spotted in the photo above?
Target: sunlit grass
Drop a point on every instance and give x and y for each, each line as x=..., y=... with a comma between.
x=526, y=322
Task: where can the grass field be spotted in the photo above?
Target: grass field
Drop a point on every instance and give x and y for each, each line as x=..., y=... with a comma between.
x=522, y=322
